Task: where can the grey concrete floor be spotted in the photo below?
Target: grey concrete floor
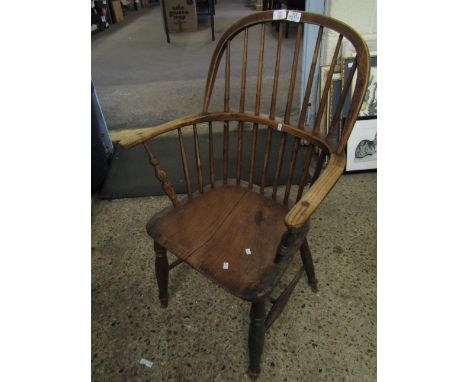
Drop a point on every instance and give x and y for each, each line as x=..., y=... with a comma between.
x=202, y=335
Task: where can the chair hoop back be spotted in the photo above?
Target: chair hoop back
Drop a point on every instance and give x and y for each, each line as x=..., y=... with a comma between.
x=360, y=70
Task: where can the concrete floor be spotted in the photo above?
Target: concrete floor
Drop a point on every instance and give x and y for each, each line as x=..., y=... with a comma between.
x=202, y=336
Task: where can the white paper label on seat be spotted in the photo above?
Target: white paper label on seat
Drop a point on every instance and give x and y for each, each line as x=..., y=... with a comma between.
x=146, y=363
x=350, y=64
x=248, y=251
x=294, y=16
x=279, y=14
x=226, y=265
x=280, y=125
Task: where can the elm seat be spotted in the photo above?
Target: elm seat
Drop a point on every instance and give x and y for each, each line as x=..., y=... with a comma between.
x=199, y=232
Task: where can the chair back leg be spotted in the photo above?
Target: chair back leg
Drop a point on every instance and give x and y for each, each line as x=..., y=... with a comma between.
x=162, y=273
x=256, y=337
x=308, y=265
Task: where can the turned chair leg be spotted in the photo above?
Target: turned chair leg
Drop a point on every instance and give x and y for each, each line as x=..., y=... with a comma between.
x=162, y=273
x=256, y=337
x=308, y=265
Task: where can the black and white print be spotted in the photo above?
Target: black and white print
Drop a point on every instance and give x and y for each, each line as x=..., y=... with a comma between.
x=362, y=146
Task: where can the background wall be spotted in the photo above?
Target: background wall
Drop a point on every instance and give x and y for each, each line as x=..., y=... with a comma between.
x=359, y=14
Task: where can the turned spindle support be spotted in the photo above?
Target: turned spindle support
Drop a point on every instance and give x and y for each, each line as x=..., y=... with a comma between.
x=161, y=176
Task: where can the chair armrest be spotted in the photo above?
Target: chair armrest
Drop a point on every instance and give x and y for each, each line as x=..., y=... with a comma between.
x=303, y=209
x=152, y=132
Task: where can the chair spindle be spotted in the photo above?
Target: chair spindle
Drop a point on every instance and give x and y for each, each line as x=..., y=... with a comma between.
x=225, y=151
x=198, y=159
x=324, y=96
x=257, y=105
x=287, y=115
x=252, y=154
x=183, y=154
x=161, y=176
x=211, y=154
x=318, y=167
x=244, y=70
x=336, y=116
x=317, y=171
x=277, y=68
x=266, y=160
x=227, y=77
x=310, y=80
x=278, y=164
x=292, y=81
x=260, y=70
x=240, y=138
x=266, y=157
x=227, y=84
x=305, y=172
x=240, y=130
x=292, y=165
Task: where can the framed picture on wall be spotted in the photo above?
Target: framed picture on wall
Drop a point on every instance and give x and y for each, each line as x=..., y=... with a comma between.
x=361, y=151
x=369, y=105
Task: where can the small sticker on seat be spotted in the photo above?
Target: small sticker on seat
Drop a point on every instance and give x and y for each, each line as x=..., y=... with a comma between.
x=226, y=265
x=280, y=125
x=279, y=14
x=294, y=16
x=248, y=251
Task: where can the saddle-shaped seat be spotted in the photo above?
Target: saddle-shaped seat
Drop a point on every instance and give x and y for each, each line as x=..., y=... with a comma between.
x=230, y=224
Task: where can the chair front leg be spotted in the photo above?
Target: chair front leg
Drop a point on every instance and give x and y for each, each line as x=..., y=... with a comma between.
x=308, y=265
x=256, y=337
x=162, y=273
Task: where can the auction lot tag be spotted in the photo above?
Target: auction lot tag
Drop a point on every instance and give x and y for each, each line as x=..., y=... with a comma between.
x=294, y=16
x=146, y=363
x=279, y=14
x=226, y=265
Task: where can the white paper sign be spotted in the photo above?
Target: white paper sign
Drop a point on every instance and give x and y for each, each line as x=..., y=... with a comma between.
x=280, y=125
x=279, y=14
x=226, y=265
x=146, y=363
x=248, y=251
x=294, y=16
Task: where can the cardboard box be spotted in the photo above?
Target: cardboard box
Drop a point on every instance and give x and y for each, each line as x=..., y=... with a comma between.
x=117, y=11
x=181, y=15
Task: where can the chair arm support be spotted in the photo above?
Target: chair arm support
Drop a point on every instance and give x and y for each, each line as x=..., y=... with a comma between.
x=152, y=132
x=303, y=209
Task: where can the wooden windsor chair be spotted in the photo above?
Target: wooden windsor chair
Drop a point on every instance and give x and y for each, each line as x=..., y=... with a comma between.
x=215, y=228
